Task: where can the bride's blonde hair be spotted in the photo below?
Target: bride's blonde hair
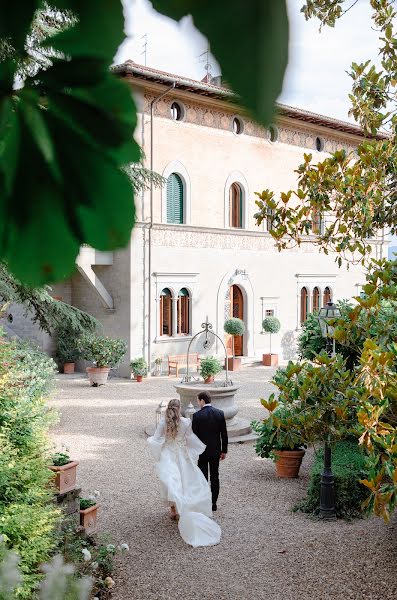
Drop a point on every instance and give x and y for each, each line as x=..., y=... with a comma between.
x=172, y=416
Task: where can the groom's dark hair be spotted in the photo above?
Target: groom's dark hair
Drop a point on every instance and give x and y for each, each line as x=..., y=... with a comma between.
x=204, y=396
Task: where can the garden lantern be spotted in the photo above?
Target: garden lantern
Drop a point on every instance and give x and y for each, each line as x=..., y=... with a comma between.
x=160, y=411
x=326, y=317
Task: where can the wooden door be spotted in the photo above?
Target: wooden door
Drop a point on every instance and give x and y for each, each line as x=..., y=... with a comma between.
x=237, y=310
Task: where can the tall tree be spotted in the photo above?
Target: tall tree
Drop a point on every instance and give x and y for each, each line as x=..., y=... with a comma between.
x=354, y=192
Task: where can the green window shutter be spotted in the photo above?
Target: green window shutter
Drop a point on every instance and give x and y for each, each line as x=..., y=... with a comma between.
x=175, y=199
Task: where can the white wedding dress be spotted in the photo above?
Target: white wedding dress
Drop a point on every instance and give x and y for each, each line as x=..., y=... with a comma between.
x=183, y=484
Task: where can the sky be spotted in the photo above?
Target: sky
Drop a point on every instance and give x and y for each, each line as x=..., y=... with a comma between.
x=316, y=77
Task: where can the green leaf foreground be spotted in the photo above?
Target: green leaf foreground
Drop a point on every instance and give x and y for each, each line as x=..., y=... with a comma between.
x=65, y=136
x=250, y=42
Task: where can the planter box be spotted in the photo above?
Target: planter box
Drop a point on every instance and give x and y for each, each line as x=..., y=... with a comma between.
x=68, y=368
x=98, y=375
x=288, y=463
x=210, y=379
x=88, y=519
x=270, y=360
x=139, y=378
x=233, y=364
x=66, y=475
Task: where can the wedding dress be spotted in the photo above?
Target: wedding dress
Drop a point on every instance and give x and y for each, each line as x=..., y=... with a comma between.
x=183, y=484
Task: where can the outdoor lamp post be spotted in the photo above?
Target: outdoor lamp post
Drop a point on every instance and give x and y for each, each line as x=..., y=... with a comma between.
x=326, y=317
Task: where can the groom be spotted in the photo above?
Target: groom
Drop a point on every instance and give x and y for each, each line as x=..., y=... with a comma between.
x=210, y=427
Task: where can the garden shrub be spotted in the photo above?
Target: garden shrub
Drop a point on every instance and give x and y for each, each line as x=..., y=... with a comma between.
x=348, y=467
x=28, y=518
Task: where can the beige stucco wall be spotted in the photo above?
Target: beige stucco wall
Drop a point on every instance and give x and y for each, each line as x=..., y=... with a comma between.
x=116, y=279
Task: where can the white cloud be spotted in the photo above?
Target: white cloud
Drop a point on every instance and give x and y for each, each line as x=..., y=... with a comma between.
x=316, y=77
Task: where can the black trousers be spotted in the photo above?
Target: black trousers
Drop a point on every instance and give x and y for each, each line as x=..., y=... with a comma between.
x=211, y=462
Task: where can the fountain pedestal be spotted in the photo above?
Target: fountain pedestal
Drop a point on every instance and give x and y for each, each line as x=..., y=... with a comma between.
x=222, y=397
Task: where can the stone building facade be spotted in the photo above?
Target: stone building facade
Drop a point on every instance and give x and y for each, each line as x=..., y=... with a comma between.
x=196, y=250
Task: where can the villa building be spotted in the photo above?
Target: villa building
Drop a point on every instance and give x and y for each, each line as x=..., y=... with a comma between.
x=196, y=250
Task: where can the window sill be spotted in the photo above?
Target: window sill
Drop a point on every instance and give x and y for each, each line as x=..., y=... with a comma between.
x=180, y=338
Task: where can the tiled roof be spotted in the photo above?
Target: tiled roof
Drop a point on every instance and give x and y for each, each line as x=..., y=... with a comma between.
x=222, y=93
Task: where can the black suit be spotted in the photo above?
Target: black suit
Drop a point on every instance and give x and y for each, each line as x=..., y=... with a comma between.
x=210, y=427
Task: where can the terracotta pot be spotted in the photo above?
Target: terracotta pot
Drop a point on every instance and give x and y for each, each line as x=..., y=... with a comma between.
x=68, y=368
x=65, y=479
x=288, y=462
x=139, y=378
x=270, y=360
x=210, y=379
x=233, y=364
x=98, y=375
x=88, y=518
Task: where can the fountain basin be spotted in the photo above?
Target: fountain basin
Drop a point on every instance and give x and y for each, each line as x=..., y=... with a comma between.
x=222, y=397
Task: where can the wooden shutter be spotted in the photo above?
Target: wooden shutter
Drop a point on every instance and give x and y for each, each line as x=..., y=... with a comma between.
x=175, y=199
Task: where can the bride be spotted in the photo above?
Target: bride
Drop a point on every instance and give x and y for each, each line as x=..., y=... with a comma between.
x=176, y=449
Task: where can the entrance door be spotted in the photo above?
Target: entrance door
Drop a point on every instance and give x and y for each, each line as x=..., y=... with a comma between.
x=237, y=310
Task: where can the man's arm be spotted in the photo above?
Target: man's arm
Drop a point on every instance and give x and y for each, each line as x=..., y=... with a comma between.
x=195, y=424
x=224, y=437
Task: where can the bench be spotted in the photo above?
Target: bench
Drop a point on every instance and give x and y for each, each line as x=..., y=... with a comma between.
x=177, y=361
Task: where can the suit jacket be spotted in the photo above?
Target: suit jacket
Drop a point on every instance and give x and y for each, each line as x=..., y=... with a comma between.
x=210, y=427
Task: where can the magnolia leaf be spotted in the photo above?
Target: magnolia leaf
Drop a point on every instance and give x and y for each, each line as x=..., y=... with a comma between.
x=250, y=42
x=72, y=151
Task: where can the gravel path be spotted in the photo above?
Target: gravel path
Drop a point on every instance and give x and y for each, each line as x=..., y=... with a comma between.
x=266, y=552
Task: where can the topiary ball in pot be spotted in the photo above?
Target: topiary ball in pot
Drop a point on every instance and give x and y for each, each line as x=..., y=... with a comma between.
x=271, y=325
x=234, y=326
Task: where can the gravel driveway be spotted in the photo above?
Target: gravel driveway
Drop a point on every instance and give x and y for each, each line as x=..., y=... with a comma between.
x=266, y=552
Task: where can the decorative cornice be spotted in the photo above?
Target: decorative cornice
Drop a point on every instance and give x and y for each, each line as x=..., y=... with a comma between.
x=143, y=74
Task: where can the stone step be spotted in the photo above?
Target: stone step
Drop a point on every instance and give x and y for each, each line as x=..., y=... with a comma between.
x=241, y=439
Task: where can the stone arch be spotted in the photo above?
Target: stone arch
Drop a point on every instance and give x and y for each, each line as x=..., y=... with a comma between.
x=241, y=278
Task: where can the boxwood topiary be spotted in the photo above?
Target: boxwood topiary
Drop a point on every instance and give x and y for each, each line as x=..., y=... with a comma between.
x=234, y=326
x=271, y=325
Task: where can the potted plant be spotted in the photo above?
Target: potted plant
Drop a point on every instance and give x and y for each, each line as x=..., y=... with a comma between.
x=67, y=351
x=88, y=514
x=234, y=327
x=105, y=352
x=270, y=325
x=65, y=472
x=279, y=438
x=139, y=368
x=209, y=367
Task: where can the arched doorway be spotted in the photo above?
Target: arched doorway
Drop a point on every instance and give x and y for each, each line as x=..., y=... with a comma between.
x=237, y=310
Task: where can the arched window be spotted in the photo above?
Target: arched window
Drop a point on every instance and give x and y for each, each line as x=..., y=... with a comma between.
x=175, y=199
x=316, y=299
x=235, y=206
x=165, y=312
x=326, y=296
x=183, y=312
x=304, y=304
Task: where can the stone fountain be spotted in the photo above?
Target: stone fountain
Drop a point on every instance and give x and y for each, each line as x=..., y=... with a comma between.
x=222, y=393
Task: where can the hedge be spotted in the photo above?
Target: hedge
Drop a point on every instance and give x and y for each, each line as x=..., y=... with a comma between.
x=348, y=467
x=28, y=518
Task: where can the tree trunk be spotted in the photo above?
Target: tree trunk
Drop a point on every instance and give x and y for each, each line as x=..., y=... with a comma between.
x=270, y=344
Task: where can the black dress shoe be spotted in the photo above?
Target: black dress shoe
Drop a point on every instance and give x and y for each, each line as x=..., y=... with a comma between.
x=214, y=507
